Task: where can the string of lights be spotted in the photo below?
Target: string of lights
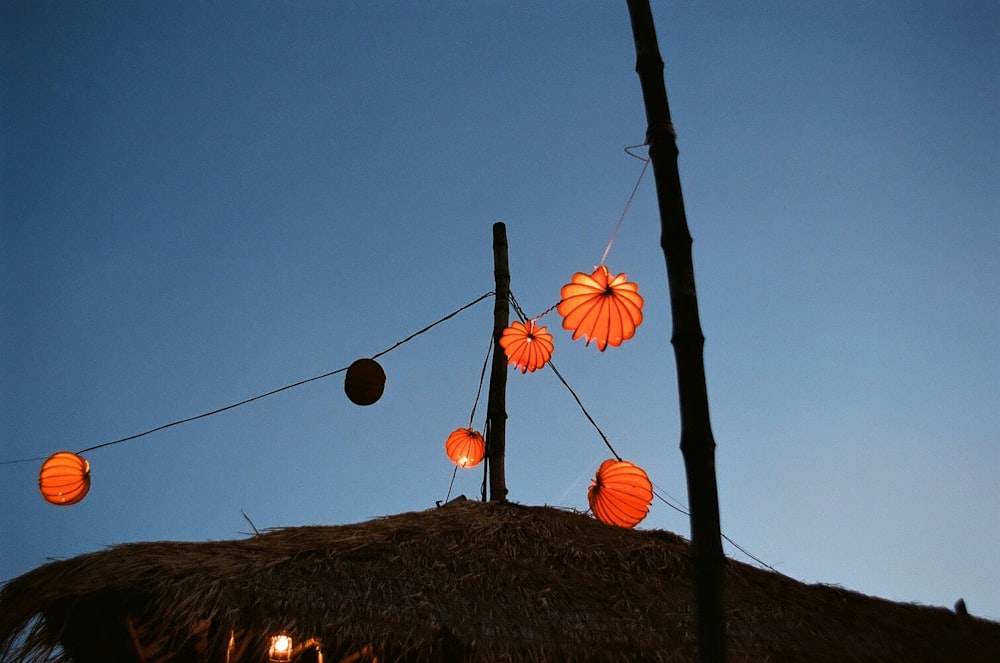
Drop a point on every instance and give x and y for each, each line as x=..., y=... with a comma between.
x=598, y=286
x=657, y=492
x=264, y=395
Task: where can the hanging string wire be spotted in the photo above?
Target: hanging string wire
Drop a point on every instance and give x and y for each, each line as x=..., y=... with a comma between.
x=447, y=497
x=748, y=554
x=209, y=414
x=264, y=395
x=629, y=148
x=435, y=324
x=472, y=416
x=675, y=504
x=482, y=379
x=543, y=313
x=659, y=493
x=519, y=310
x=486, y=422
x=520, y=313
x=584, y=410
x=487, y=436
x=614, y=232
x=628, y=203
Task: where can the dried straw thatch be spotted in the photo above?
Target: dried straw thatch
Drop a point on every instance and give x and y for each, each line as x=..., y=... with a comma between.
x=469, y=581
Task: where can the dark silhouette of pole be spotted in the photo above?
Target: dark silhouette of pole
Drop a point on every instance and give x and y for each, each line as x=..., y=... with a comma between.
x=496, y=407
x=697, y=443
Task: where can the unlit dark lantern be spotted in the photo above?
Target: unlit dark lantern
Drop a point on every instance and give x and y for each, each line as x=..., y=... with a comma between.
x=365, y=382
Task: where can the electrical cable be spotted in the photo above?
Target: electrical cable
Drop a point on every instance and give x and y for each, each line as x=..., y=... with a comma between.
x=657, y=491
x=628, y=203
x=685, y=512
x=448, y=496
x=264, y=395
x=520, y=313
x=482, y=379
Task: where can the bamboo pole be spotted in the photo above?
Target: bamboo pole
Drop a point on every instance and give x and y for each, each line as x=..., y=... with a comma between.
x=697, y=443
x=496, y=408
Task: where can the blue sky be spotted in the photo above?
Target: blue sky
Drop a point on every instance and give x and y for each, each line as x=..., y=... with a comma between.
x=201, y=202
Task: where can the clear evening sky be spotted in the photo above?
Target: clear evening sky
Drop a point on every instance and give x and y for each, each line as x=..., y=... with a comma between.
x=204, y=201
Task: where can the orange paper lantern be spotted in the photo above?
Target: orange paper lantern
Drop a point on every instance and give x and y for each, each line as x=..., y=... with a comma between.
x=364, y=382
x=600, y=308
x=527, y=346
x=64, y=479
x=620, y=494
x=465, y=447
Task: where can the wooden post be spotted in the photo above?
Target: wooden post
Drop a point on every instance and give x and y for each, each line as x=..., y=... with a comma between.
x=496, y=408
x=697, y=443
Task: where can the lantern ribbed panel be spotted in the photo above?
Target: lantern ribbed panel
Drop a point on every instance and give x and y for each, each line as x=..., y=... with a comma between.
x=527, y=346
x=620, y=494
x=64, y=478
x=600, y=308
x=465, y=447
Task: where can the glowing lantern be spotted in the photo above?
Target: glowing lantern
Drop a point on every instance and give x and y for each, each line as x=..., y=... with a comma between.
x=281, y=648
x=600, y=308
x=527, y=346
x=64, y=479
x=465, y=447
x=364, y=382
x=621, y=493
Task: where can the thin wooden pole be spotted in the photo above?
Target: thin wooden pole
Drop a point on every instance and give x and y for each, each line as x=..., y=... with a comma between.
x=697, y=443
x=496, y=408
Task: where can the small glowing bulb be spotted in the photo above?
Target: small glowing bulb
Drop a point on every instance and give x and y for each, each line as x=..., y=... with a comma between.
x=281, y=648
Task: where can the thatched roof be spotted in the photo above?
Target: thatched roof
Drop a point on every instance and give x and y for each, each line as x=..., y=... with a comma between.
x=469, y=581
